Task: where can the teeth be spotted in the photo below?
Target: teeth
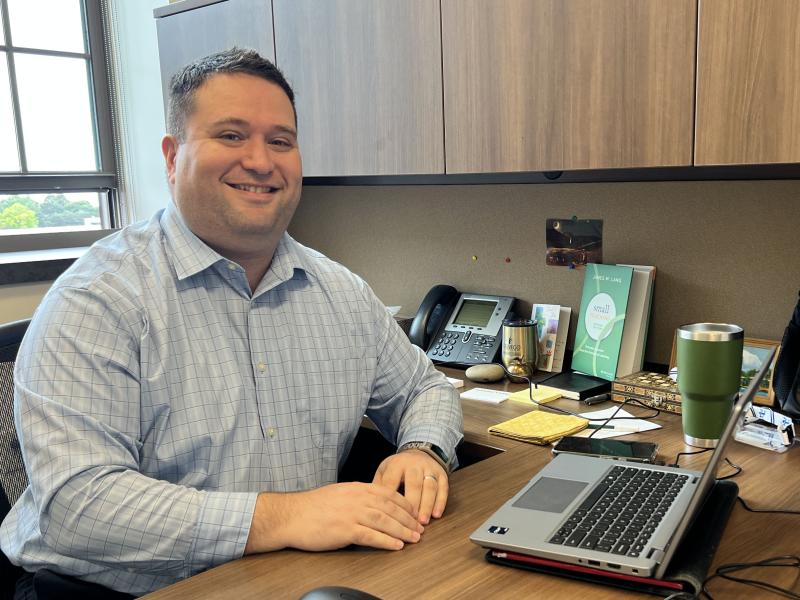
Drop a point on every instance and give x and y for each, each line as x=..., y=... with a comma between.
x=256, y=189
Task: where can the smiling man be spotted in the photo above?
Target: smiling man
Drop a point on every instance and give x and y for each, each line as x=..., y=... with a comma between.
x=189, y=389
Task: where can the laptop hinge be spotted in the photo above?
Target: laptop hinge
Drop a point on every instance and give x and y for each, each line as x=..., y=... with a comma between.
x=656, y=554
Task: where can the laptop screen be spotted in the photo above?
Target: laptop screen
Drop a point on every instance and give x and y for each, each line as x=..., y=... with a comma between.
x=710, y=472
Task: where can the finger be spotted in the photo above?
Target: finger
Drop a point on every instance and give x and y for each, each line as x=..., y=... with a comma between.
x=430, y=488
x=414, y=486
x=441, y=497
x=387, y=494
x=390, y=519
x=377, y=478
x=366, y=536
x=390, y=476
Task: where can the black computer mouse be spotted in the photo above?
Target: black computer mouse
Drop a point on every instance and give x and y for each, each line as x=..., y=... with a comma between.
x=335, y=592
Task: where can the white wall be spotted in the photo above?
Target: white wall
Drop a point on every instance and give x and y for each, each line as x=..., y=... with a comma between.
x=144, y=113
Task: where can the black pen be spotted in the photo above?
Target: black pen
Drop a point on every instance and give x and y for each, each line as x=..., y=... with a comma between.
x=596, y=399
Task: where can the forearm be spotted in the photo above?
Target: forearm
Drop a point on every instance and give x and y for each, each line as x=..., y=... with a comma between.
x=432, y=414
x=127, y=520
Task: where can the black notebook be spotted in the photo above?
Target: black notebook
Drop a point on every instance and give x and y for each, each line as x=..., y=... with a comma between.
x=577, y=386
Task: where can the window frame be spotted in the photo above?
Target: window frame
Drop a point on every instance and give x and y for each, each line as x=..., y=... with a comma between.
x=104, y=180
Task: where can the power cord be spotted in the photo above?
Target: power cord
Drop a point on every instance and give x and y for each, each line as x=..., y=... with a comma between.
x=737, y=469
x=604, y=420
x=786, y=561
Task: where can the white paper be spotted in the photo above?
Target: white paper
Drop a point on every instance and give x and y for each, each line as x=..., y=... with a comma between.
x=456, y=383
x=485, y=395
x=621, y=426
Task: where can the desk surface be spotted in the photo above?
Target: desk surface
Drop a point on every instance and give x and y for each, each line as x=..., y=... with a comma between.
x=445, y=564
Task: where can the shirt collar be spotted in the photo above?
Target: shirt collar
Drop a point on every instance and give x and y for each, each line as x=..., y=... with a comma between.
x=191, y=255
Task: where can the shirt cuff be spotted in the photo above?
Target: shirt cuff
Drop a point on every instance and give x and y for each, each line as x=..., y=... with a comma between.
x=222, y=528
x=440, y=436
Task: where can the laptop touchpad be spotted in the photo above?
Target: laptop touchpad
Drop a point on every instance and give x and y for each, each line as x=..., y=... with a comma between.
x=550, y=494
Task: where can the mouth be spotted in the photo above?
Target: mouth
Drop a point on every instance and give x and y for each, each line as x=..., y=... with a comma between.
x=254, y=189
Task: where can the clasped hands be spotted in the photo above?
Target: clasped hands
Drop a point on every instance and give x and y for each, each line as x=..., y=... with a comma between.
x=368, y=514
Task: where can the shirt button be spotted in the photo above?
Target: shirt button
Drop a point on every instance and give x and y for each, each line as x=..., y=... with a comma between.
x=271, y=432
x=261, y=367
x=232, y=266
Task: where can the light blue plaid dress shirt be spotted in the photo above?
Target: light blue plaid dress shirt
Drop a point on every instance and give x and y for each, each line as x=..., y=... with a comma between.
x=156, y=396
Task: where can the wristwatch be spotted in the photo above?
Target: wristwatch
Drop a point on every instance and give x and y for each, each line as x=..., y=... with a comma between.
x=434, y=452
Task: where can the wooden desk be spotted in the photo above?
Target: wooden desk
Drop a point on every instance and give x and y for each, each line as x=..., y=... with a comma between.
x=445, y=564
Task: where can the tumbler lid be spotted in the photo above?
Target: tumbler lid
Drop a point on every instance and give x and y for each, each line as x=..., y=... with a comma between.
x=518, y=322
x=711, y=332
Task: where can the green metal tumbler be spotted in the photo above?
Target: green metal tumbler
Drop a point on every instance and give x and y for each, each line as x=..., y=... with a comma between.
x=709, y=377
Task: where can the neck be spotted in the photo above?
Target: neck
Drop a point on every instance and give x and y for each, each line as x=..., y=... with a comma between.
x=256, y=262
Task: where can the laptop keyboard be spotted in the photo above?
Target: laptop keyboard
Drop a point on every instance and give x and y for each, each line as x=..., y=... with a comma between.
x=621, y=513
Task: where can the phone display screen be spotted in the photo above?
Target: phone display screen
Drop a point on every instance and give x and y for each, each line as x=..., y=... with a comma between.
x=475, y=313
x=637, y=451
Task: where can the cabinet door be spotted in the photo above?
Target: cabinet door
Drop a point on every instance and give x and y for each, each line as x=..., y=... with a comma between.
x=369, y=84
x=541, y=85
x=748, y=82
x=192, y=34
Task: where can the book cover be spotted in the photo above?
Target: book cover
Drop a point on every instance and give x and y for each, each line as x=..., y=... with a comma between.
x=561, y=339
x=598, y=335
x=637, y=318
x=547, y=319
x=576, y=386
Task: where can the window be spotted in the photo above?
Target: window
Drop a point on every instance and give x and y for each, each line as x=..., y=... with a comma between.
x=57, y=171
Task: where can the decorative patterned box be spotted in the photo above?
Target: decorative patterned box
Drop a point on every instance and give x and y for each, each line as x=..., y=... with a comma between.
x=653, y=389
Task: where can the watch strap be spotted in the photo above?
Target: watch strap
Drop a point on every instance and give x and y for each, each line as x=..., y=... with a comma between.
x=431, y=450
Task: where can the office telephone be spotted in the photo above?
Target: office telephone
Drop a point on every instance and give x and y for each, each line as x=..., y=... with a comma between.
x=460, y=329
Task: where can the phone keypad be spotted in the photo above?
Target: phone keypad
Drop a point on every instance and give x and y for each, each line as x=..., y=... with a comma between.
x=445, y=344
x=450, y=346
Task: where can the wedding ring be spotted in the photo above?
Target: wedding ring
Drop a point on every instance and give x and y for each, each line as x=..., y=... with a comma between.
x=431, y=477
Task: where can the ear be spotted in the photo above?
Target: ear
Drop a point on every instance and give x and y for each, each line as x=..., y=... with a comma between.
x=169, y=148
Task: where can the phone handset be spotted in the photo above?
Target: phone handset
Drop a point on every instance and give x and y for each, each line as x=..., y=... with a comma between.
x=437, y=305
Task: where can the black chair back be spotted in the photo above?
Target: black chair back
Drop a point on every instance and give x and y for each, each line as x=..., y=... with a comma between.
x=13, y=479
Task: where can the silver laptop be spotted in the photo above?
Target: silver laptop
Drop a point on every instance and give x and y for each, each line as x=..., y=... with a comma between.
x=608, y=514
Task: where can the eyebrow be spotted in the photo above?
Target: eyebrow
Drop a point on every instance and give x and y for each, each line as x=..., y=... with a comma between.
x=242, y=123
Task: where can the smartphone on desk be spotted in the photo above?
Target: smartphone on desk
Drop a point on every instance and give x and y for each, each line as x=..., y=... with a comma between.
x=644, y=452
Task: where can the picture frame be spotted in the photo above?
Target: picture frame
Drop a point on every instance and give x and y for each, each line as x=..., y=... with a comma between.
x=754, y=351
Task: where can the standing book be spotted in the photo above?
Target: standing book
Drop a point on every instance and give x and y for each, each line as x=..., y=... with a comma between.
x=598, y=336
x=637, y=320
x=552, y=324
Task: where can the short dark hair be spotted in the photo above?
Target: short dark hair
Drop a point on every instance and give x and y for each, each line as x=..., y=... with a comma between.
x=185, y=83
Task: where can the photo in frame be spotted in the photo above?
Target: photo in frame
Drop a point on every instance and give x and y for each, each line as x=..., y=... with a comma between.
x=754, y=352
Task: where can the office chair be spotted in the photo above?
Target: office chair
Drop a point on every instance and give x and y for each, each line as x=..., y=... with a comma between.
x=14, y=480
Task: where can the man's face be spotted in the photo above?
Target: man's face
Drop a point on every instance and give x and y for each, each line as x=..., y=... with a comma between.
x=237, y=176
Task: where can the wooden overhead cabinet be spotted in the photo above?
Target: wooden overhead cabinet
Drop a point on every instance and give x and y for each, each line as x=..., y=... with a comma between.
x=748, y=82
x=192, y=29
x=369, y=84
x=551, y=85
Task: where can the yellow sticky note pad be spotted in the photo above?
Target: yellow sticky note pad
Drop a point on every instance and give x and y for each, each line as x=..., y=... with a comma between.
x=539, y=427
x=541, y=394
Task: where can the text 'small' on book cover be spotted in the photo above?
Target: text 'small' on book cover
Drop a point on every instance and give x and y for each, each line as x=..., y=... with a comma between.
x=598, y=335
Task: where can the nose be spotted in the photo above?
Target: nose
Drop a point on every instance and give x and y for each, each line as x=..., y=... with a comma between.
x=258, y=157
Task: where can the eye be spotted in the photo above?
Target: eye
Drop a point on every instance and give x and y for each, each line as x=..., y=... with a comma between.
x=282, y=143
x=231, y=136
